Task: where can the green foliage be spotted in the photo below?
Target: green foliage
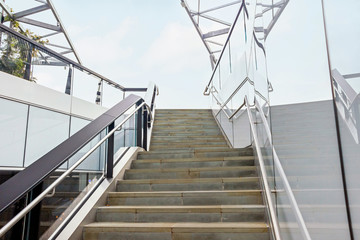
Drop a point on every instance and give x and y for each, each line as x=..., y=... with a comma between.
x=15, y=53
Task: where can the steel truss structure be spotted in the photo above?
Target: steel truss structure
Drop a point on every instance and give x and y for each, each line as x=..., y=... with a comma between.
x=27, y=17
x=271, y=8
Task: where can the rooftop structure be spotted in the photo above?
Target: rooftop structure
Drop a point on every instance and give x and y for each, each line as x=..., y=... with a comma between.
x=78, y=164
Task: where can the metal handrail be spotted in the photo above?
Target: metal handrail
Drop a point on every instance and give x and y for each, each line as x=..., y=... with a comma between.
x=294, y=206
x=42, y=195
x=273, y=217
x=243, y=6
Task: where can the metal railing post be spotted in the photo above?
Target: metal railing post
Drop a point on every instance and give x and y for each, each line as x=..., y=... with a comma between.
x=145, y=128
x=32, y=222
x=138, y=126
x=110, y=152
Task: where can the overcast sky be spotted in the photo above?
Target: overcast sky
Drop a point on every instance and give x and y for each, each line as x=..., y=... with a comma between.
x=136, y=41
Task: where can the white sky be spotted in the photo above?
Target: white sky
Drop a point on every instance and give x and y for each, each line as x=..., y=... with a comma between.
x=134, y=42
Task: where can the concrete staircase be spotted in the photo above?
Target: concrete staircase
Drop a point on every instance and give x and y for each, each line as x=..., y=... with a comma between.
x=190, y=185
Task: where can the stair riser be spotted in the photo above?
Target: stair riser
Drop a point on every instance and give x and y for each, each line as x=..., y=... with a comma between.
x=196, y=147
x=128, y=187
x=254, y=216
x=186, y=201
x=142, y=235
x=169, y=126
x=175, y=120
x=186, y=175
x=191, y=155
x=175, y=139
x=186, y=134
x=136, y=165
x=190, y=144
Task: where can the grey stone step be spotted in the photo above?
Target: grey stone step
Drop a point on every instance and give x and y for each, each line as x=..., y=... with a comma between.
x=210, y=213
x=186, y=127
x=188, y=133
x=175, y=147
x=183, y=173
x=184, y=120
x=184, y=144
x=164, y=123
x=187, y=141
x=196, y=153
x=193, y=162
x=185, y=198
x=189, y=184
x=203, y=138
x=200, y=110
x=176, y=231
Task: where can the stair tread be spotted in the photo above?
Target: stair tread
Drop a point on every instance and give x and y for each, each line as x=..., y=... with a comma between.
x=192, y=150
x=235, y=158
x=190, y=180
x=197, y=169
x=183, y=193
x=180, y=226
x=181, y=208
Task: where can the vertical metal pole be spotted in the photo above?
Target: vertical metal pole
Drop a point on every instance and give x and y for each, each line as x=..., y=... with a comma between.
x=338, y=135
x=32, y=222
x=145, y=128
x=110, y=153
x=138, y=126
x=99, y=93
x=68, y=88
x=28, y=63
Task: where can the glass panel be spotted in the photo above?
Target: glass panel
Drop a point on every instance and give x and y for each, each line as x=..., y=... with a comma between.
x=46, y=130
x=111, y=95
x=54, y=77
x=93, y=162
x=85, y=86
x=17, y=231
x=15, y=56
x=342, y=35
x=67, y=195
x=76, y=124
x=13, y=118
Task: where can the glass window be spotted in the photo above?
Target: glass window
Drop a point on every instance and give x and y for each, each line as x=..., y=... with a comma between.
x=13, y=118
x=46, y=130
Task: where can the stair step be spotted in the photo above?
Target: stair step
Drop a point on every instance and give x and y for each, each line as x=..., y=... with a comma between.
x=193, y=162
x=176, y=231
x=187, y=133
x=163, y=123
x=188, y=184
x=188, y=142
x=196, y=153
x=183, y=173
x=203, y=138
x=169, y=126
x=184, y=147
x=210, y=213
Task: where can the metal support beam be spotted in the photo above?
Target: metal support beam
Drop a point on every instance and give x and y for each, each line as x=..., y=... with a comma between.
x=30, y=11
x=46, y=5
x=56, y=15
x=220, y=7
x=216, y=33
x=39, y=24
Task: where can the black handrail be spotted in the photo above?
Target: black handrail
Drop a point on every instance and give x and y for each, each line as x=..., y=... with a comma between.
x=16, y=187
